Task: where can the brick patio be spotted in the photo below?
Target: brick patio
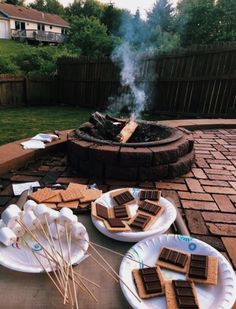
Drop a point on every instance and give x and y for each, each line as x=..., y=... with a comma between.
x=206, y=196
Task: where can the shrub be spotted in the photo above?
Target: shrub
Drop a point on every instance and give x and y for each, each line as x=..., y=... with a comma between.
x=7, y=66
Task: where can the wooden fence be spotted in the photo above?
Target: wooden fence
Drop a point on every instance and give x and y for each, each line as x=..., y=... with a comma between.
x=18, y=90
x=196, y=82
x=12, y=90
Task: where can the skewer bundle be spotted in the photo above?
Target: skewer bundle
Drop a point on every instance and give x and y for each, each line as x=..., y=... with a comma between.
x=59, y=229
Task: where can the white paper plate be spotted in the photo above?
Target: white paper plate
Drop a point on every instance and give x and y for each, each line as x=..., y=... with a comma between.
x=20, y=258
x=160, y=226
x=221, y=296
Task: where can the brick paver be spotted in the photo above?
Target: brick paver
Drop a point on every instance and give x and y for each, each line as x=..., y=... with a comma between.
x=206, y=196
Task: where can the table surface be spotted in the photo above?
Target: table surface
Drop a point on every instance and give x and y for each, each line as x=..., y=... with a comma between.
x=26, y=290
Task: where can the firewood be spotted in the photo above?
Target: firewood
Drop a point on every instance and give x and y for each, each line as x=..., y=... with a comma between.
x=127, y=131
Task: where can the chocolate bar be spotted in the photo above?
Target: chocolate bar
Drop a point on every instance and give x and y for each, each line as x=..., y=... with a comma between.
x=173, y=257
x=152, y=195
x=120, y=212
x=102, y=211
x=123, y=198
x=140, y=221
x=115, y=222
x=151, y=280
x=150, y=208
x=198, y=266
x=184, y=294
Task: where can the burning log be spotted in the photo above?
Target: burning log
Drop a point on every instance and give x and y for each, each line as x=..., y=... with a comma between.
x=108, y=127
x=128, y=130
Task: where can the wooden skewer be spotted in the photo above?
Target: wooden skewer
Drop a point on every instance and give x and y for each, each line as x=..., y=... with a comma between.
x=114, y=272
x=117, y=253
x=68, y=238
x=106, y=270
x=86, y=279
x=57, y=287
x=53, y=250
x=64, y=261
x=88, y=290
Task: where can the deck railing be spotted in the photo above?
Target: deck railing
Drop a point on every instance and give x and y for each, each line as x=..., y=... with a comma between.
x=38, y=35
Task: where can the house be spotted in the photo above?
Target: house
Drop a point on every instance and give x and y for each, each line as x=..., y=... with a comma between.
x=18, y=22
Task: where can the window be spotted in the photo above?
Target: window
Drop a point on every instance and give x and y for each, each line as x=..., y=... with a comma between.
x=50, y=27
x=63, y=31
x=41, y=27
x=19, y=25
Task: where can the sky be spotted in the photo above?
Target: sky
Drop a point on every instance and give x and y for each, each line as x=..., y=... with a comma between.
x=131, y=5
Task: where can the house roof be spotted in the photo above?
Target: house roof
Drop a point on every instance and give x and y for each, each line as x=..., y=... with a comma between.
x=24, y=13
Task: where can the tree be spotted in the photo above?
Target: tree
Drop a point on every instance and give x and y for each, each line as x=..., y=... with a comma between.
x=161, y=15
x=161, y=32
x=87, y=8
x=90, y=36
x=15, y=2
x=201, y=22
x=48, y=6
x=227, y=20
x=112, y=18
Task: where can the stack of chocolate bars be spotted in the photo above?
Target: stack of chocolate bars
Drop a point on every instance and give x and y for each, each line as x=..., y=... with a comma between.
x=198, y=269
x=119, y=218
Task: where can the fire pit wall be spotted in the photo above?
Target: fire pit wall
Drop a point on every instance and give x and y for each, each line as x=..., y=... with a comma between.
x=95, y=160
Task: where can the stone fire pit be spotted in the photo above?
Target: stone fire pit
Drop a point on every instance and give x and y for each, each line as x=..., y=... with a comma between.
x=168, y=154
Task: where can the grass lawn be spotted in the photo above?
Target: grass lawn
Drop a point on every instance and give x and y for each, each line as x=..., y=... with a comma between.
x=22, y=122
x=10, y=47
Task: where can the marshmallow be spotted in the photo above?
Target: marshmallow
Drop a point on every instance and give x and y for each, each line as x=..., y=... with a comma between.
x=7, y=236
x=42, y=212
x=29, y=205
x=53, y=229
x=2, y=224
x=30, y=220
x=10, y=215
x=18, y=230
x=78, y=230
x=66, y=216
x=53, y=215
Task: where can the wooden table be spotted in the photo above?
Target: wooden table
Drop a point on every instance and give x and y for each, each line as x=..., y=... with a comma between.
x=25, y=290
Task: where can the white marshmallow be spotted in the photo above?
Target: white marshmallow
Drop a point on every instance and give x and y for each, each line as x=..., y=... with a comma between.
x=30, y=220
x=41, y=211
x=10, y=215
x=66, y=216
x=78, y=230
x=2, y=224
x=7, y=236
x=53, y=215
x=29, y=205
x=18, y=230
x=53, y=229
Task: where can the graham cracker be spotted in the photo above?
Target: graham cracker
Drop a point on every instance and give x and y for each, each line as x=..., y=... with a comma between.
x=152, y=220
x=84, y=205
x=139, y=284
x=174, y=267
x=212, y=272
x=156, y=190
x=70, y=195
x=77, y=186
x=94, y=212
x=118, y=192
x=51, y=205
x=116, y=229
x=42, y=195
x=90, y=195
x=170, y=295
x=55, y=199
x=71, y=204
